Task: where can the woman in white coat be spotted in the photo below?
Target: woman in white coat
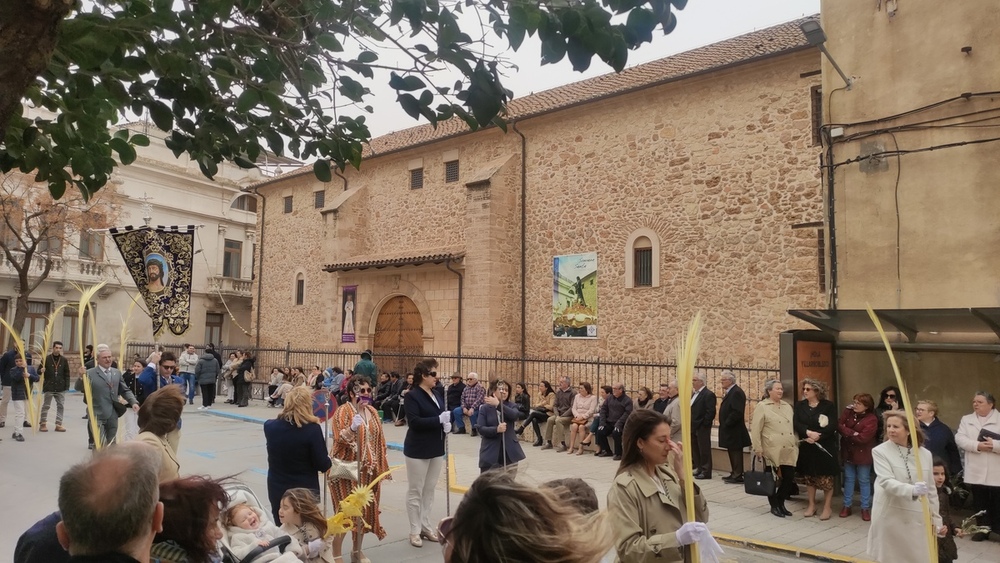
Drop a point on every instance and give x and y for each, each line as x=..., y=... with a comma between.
x=898, y=531
x=982, y=459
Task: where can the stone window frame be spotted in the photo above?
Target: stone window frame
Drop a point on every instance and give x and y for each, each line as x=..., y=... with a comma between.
x=630, y=248
x=287, y=200
x=319, y=199
x=299, y=289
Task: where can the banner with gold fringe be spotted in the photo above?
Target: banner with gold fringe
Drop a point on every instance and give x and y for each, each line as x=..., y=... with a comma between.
x=161, y=261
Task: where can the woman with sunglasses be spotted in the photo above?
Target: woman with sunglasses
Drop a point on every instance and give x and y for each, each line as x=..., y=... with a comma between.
x=890, y=399
x=816, y=428
x=428, y=421
x=357, y=428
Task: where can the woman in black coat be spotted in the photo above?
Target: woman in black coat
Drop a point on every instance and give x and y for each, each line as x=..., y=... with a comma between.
x=523, y=400
x=296, y=448
x=428, y=422
x=240, y=383
x=815, y=425
x=499, y=446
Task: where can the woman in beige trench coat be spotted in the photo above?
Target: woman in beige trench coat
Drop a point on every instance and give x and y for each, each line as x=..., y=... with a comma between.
x=772, y=436
x=646, y=503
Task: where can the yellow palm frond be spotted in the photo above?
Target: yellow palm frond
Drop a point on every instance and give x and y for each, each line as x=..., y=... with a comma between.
x=21, y=352
x=86, y=295
x=687, y=356
x=46, y=345
x=352, y=506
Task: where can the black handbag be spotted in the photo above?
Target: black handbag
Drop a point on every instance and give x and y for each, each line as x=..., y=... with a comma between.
x=120, y=408
x=760, y=483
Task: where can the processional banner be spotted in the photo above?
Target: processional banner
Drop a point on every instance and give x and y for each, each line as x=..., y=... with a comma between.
x=574, y=295
x=160, y=261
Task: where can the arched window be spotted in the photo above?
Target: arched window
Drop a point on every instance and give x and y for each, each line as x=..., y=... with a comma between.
x=246, y=203
x=300, y=289
x=642, y=259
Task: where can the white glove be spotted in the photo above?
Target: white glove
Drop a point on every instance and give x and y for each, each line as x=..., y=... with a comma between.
x=316, y=547
x=356, y=422
x=691, y=532
x=920, y=489
x=445, y=417
x=447, y=427
x=709, y=549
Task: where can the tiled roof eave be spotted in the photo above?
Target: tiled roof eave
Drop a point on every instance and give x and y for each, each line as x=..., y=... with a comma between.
x=399, y=262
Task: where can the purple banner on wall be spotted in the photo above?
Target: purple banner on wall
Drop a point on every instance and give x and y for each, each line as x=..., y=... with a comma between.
x=347, y=321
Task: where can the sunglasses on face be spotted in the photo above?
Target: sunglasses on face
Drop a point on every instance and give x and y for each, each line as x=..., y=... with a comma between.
x=890, y=396
x=365, y=391
x=807, y=388
x=171, y=368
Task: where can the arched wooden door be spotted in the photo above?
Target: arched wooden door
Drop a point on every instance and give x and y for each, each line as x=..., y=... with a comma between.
x=399, y=335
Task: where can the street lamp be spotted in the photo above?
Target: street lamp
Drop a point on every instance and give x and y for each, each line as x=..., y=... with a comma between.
x=816, y=37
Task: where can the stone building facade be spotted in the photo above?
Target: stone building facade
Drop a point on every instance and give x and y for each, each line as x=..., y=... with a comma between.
x=697, y=173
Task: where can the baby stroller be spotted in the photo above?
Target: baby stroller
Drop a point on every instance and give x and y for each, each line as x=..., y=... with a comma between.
x=240, y=493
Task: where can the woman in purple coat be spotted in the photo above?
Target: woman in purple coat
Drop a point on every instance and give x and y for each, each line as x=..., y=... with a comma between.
x=499, y=446
x=296, y=448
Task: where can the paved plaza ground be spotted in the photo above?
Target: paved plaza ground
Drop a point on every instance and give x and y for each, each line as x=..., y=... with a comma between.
x=227, y=441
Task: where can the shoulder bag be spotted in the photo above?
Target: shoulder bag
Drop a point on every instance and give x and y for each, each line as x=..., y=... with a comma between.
x=760, y=483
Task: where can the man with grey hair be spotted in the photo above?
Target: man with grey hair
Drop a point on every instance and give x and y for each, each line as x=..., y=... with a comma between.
x=733, y=434
x=106, y=385
x=558, y=423
x=703, y=405
x=673, y=414
x=104, y=521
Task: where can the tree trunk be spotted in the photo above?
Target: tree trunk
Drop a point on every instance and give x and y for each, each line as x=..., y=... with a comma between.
x=20, y=314
x=28, y=33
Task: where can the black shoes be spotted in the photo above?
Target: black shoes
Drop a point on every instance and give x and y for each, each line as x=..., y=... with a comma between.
x=474, y=433
x=703, y=476
x=604, y=453
x=776, y=510
x=18, y=437
x=27, y=424
x=460, y=431
x=537, y=443
x=981, y=536
x=617, y=458
x=519, y=431
x=784, y=510
x=733, y=480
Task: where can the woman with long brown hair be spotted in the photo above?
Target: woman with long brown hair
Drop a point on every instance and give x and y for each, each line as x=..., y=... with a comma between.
x=191, y=531
x=296, y=448
x=650, y=526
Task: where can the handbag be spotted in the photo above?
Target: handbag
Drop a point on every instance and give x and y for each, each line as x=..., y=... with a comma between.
x=120, y=408
x=342, y=469
x=760, y=483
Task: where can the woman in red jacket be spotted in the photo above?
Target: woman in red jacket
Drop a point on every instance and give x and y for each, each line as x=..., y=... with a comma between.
x=858, y=427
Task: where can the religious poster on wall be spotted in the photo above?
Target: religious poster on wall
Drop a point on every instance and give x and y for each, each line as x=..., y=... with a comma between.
x=160, y=261
x=574, y=296
x=347, y=317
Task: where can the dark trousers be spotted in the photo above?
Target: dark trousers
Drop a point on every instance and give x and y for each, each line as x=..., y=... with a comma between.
x=534, y=419
x=988, y=499
x=242, y=394
x=736, y=461
x=701, y=450
x=207, y=394
x=602, y=439
x=786, y=485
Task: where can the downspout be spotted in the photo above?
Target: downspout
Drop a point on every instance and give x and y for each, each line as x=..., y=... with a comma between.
x=342, y=177
x=831, y=217
x=524, y=246
x=461, y=280
x=260, y=264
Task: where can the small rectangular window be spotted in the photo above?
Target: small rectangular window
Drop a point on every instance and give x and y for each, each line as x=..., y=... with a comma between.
x=821, y=262
x=213, y=327
x=451, y=171
x=816, y=101
x=416, y=178
x=92, y=246
x=643, y=267
x=319, y=199
x=300, y=292
x=288, y=204
x=232, y=259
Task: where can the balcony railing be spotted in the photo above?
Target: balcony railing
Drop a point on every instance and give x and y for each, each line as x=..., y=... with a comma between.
x=230, y=286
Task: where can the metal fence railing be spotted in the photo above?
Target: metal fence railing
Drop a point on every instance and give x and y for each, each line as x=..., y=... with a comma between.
x=530, y=371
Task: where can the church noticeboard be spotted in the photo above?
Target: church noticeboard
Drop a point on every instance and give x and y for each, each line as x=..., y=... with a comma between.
x=574, y=296
x=814, y=360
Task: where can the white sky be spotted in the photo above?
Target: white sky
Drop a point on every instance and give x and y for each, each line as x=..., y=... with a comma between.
x=700, y=23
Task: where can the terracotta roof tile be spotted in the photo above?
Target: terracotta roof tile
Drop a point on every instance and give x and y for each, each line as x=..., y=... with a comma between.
x=363, y=263
x=782, y=38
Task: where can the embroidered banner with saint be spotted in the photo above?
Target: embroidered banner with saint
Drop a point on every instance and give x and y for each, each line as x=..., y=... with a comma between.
x=160, y=261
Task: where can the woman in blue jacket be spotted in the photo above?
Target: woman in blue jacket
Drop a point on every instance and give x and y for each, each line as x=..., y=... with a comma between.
x=296, y=448
x=499, y=447
x=427, y=424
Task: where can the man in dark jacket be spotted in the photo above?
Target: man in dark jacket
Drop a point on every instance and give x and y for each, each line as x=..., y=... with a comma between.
x=454, y=394
x=206, y=373
x=558, y=423
x=940, y=439
x=733, y=435
x=56, y=372
x=614, y=412
x=6, y=363
x=667, y=395
x=367, y=368
x=19, y=380
x=703, y=405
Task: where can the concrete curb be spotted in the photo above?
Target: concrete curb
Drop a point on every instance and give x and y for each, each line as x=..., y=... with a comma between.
x=783, y=549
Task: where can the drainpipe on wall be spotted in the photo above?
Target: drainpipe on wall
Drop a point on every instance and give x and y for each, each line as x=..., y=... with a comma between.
x=260, y=264
x=524, y=246
x=461, y=280
x=342, y=177
x=831, y=217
